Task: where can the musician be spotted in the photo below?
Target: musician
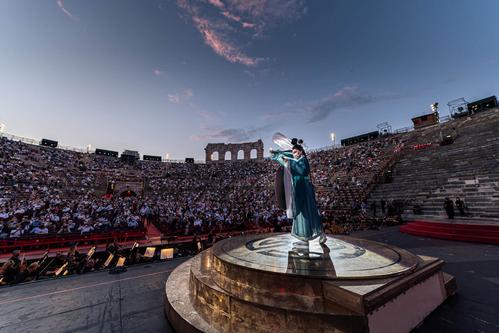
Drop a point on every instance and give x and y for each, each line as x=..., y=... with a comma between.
x=14, y=269
x=211, y=239
x=133, y=255
x=87, y=265
x=73, y=258
x=114, y=248
x=197, y=245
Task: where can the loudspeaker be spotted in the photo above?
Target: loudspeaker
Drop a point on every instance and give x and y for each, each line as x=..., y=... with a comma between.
x=447, y=140
x=49, y=143
x=483, y=104
x=152, y=158
x=105, y=152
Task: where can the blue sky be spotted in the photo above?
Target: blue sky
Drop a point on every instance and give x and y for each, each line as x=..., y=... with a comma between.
x=164, y=76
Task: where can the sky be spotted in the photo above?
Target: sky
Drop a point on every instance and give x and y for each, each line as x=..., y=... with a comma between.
x=168, y=77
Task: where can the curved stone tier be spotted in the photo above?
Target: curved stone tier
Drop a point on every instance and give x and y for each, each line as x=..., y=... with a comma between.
x=270, y=283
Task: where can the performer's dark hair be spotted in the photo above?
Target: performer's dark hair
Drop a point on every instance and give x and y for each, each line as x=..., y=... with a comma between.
x=297, y=144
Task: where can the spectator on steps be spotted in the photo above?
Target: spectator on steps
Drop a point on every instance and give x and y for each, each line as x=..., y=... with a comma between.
x=449, y=208
x=383, y=206
x=390, y=208
x=460, y=206
x=416, y=209
x=373, y=208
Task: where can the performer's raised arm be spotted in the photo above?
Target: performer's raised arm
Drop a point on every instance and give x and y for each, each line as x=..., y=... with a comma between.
x=281, y=156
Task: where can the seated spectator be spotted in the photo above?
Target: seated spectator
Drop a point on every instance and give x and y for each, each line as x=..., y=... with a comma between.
x=17, y=232
x=85, y=228
x=42, y=229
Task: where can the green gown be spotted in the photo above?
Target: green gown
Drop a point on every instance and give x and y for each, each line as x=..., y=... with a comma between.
x=307, y=224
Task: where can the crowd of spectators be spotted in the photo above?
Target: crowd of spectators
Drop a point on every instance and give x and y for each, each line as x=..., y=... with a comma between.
x=52, y=191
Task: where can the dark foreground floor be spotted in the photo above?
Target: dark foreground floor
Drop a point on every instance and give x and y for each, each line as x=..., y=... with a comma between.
x=476, y=267
x=133, y=301
x=96, y=302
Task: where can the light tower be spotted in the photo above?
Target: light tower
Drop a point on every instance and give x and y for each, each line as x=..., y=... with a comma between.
x=434, y=108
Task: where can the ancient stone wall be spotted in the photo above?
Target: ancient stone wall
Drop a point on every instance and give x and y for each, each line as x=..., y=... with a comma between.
x=234, y=149
x=122, y=186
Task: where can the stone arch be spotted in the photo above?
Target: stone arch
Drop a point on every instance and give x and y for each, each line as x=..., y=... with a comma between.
x=215, y=156
x=240, y=154
x=234, y=149
x=253, y=154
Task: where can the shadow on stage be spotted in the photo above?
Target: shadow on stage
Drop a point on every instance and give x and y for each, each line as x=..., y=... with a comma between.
x=302, y=260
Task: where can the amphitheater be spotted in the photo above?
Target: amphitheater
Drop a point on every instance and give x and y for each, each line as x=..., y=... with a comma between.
x=55, y=198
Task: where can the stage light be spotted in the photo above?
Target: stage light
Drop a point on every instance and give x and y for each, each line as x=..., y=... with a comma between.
x=150, y=252
x=2, y=127
x=434, y=106
x=166, y=254
x=333, y=136
x=167, y=156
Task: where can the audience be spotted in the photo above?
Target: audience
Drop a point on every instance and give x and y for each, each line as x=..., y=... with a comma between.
x=54, y=191
x=49, y=191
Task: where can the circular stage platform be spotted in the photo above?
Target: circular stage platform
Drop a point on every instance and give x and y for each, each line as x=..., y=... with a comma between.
x=274, y=283
x=338, y=258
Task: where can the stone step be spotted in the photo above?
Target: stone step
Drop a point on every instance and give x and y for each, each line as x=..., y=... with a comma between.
x=461, y=219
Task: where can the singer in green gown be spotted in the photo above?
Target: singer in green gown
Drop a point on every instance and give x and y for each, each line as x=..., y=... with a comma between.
x=307, y=224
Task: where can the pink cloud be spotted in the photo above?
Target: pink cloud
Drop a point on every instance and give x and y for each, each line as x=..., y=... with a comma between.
x=248, y=25
x=220, y=45
x=60, y=4
x=217, y=3
x=226, y=49
x=225, y=29
x=231, y=16
x=174, y=98
x=158, y=72
x=232, y=134
x=180, y=97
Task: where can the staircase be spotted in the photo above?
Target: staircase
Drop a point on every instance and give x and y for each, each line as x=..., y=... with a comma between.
x=468, y=168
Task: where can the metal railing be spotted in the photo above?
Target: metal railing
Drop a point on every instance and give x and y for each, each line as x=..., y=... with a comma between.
x=38, y=142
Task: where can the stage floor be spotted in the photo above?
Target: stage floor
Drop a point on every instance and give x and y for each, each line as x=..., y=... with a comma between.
x=133, y=301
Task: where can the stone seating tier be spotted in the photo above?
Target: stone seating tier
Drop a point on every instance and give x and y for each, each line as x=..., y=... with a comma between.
x=468, y=168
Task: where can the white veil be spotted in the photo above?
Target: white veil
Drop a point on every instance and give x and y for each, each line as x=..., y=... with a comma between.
x=285, y=144
x=282, y=141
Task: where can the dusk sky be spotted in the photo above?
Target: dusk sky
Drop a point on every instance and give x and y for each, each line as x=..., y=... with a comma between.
x=171, y=76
